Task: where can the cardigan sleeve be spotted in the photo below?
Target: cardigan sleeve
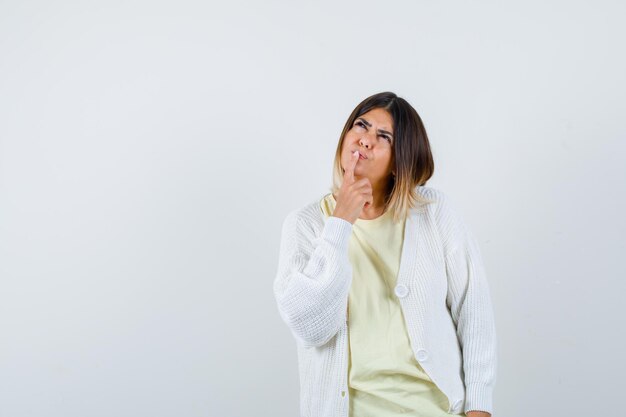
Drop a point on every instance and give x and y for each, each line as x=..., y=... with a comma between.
x=313, y=280
x=469, y=301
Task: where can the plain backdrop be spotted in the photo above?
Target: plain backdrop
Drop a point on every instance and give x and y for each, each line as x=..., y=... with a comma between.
x=150, y=150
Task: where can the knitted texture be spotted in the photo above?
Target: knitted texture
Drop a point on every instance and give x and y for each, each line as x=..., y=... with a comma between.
x=444, y=296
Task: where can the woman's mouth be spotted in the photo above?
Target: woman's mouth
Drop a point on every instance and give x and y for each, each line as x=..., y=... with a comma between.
x=361, y=156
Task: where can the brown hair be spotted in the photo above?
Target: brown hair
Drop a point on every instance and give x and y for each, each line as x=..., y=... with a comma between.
x=412, y=159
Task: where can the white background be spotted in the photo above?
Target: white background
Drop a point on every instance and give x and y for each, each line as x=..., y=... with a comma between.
x=149, y=152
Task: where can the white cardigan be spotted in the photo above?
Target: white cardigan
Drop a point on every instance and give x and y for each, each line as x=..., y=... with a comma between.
x=442, y=289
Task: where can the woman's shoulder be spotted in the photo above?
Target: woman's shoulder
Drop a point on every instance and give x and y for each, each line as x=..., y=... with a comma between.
x=308, y=215
x=430, y=192
x=447, y=214
x=436, y=200
x=443, y=203
x=311, y=210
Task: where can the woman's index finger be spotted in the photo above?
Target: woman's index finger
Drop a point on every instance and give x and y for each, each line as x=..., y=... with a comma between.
x=349, y=174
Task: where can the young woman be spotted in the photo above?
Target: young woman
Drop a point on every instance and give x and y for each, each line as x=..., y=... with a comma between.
x=383, y=285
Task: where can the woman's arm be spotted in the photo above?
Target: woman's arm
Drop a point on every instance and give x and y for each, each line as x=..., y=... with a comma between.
x=313, y=279
x=470, y=305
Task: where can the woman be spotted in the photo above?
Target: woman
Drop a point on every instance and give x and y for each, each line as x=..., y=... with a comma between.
x=383, y=285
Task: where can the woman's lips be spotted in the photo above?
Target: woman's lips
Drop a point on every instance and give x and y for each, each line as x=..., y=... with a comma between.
x=361, y=156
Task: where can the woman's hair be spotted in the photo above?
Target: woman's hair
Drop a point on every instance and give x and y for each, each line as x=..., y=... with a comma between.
x=412, y=160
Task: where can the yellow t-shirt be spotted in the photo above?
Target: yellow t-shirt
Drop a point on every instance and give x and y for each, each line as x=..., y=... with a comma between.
x=384, y=378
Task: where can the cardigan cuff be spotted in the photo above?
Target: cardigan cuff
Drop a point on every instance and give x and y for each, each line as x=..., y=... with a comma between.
x=479, y=397
x=337, y=231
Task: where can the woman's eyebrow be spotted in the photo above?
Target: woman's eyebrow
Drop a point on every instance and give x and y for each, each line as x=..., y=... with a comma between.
x=368, y=124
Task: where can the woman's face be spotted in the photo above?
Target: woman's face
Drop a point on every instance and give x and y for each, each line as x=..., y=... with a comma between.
x=372, y=135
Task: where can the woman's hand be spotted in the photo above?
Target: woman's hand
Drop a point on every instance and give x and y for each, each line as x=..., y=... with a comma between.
x=477, y=414
x=353, y=195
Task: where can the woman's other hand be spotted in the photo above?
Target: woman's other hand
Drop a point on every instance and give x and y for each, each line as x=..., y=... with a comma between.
x=477, y=414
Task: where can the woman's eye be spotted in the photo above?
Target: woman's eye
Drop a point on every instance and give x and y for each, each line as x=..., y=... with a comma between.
x=360, y=124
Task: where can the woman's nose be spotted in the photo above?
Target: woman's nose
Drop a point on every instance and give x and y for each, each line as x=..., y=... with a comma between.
x=366, y=140
x=369, y=138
